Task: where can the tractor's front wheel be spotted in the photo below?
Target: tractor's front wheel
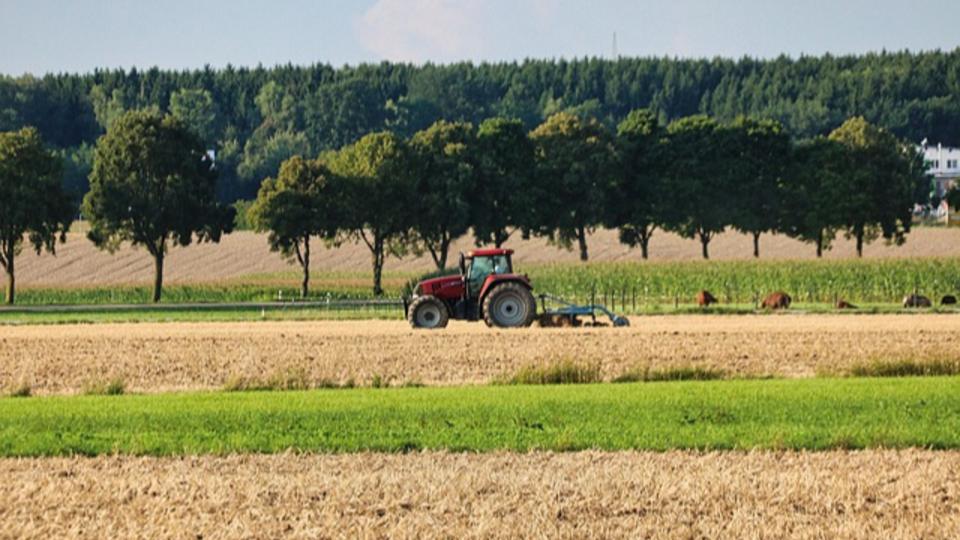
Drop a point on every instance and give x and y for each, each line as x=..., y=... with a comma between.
x=510, y=305
x=427, y=312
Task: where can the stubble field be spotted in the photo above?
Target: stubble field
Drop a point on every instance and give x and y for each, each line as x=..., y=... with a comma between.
x=910, y=493
x=160, y=357
x=837, y=494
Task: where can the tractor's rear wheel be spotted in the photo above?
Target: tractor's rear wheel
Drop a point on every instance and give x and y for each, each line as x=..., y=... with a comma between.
x=510, y=305
x=427, y=312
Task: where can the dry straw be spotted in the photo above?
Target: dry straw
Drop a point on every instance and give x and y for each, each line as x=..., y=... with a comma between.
x=190, y=356
x=870, y=494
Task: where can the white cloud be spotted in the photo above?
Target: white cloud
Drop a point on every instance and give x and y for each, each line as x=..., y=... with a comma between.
x=421, y=30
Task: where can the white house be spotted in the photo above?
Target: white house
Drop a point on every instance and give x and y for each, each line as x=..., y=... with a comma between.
x=944, y=164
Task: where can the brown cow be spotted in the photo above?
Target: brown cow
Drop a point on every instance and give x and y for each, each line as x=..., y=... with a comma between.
x=776, y=300
x=916, y=301
x=843, y=304
x=704, y=299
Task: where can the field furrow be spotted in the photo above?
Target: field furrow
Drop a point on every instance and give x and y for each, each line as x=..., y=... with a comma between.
x=867, y=494
x=153, y=357
x=79, y=264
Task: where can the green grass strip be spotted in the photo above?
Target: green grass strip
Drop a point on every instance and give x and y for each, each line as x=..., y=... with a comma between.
x=175, y=314
x=813, y=414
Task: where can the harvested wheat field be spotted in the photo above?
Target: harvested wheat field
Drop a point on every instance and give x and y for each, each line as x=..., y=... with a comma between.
x=864, y=494
x=189, y=356
x=79, y=263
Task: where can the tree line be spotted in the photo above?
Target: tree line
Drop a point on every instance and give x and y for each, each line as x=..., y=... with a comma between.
x=154, y=185
x=255, y=118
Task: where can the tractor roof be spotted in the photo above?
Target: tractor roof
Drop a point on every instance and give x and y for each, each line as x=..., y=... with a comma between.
x=489, y=252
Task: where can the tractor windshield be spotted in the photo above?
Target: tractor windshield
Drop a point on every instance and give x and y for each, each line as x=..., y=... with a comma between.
x=481, y=267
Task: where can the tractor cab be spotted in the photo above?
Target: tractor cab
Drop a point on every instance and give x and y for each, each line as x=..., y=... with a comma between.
x=482, y=264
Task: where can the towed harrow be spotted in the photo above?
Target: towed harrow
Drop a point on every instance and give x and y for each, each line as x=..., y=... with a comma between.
x=555, y=311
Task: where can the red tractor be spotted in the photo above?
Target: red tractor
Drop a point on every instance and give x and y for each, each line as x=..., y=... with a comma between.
x=486, y=289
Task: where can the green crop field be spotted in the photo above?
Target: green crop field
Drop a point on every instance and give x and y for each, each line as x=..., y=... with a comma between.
x=637, y=287
x=864, y=281
x=282, y=287
x=184, y=314
x=811, y=414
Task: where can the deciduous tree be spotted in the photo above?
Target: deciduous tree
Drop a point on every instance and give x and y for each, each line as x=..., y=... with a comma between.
x=376, y=171
x=304, y=201
x=698, y=167
x=760, y=150
x=637, y=201
x=32, y=201
x=502, y=199
x=574, y=167
x=445, y=175
x=153, y=185
x=883, y=183
x=195, y=108
x=810, y=209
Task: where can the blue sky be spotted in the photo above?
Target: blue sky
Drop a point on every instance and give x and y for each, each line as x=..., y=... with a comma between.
x=39, y=36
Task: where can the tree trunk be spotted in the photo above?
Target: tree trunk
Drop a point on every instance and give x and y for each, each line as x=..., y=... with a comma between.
x=157, y=275
x=305, y=264
x=499, y=238
x=704, y=243
x=11, y=280
x=643, y=236
x=756, y=245
x=860, y=233
x=582, y=240
x=444, y=251
x=820, y=243
x=377, y=266
x=440, y=252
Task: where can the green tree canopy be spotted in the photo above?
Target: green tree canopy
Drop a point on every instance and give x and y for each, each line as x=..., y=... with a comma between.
x=77, y=164
x=108, y=106
x=197, y=110
x=575, y=160
x=884, y=181
x=953, y=198
x=502, y=199
x=304, y=201
x=376, y=172
x=915, y=95
x=760, y=150
x=810, y=209
x=153, y=185
x=636, y=204
x=340, y=113
x=699, y=168
x=32, y=199
x=445, y=176
x=264, y=153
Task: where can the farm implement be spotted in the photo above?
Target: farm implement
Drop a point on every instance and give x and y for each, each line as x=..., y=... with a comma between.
x=564, y=313
x=487, y=289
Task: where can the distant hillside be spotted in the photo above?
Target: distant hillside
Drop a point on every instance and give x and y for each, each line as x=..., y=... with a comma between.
x=78, y=263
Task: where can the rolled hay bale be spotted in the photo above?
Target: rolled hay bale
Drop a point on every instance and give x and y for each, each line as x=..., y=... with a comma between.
x=916, y=301
x=776, y=300
x=704, y=298
x=843, y=304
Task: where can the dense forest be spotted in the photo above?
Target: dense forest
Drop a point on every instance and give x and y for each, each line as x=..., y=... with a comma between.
x=255, y=118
